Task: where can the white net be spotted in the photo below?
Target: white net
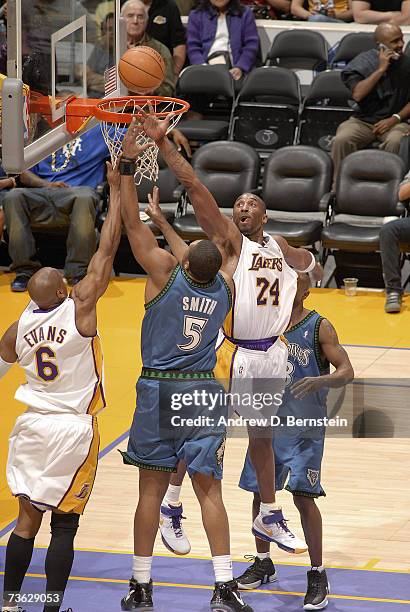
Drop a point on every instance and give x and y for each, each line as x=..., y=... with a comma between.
x=114, y=131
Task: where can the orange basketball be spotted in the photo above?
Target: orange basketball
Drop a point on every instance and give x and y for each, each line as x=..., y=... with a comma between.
x=141, y=69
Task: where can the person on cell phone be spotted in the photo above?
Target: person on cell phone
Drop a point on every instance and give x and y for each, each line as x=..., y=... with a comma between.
x=379, y=81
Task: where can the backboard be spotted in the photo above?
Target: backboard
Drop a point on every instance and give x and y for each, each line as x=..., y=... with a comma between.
x=61, y=49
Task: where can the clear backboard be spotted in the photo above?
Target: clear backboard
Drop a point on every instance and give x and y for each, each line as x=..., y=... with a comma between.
x=60, y=49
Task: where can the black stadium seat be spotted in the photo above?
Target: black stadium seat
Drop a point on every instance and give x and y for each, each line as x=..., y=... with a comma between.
x=366, y=193
x=298, y=50
x=351, y=45
x=325, y=107
x=294, y=182
x=266, y=111
x=227, y=169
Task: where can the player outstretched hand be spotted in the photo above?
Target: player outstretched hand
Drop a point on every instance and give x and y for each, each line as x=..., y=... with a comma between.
x=153, y=209
x=155, y=128
x=131, y=148
x=113, y=176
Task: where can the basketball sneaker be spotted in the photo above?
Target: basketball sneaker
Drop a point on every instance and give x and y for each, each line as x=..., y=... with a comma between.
x=260, y=572
x=226, y=598
x=172, y=533
x=273, y=528
x=139, y=597
x=317, y=591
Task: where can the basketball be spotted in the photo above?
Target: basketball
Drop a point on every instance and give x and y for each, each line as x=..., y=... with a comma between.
x=141, y=69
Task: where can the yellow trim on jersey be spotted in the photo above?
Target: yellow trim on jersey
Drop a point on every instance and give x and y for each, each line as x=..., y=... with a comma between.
x=224, y=363
x=97, y=402
x=81, y=486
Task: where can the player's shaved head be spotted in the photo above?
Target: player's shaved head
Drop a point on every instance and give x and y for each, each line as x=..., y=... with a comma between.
x=47, y=288
x=203, y=260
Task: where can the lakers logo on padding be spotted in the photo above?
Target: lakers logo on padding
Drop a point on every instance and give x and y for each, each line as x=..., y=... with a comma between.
x=220, y=453
x=313, y=477
x=84, y=491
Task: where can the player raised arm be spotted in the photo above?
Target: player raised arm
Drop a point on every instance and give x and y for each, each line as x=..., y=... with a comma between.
x=8, y=354
x=300, y=259
x=93, y=285
x=336, y=355
x=217, y=226
x=153, y=210
x=157, y=262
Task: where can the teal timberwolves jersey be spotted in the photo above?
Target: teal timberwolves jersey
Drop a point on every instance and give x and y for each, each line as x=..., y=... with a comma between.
x=305, y=359
x=181, y=324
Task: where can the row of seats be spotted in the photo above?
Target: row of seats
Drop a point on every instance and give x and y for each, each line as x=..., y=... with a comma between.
x=269, y=111
x=309, y=50
x=296, y=187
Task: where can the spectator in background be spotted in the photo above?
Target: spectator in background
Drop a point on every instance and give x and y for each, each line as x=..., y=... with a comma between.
x=268, y=9
x=323, y=10
x=61, y=194
x=101, y=58
x=382, y=11
x=185, y=6
x=165, y=25
x=380, y=84
x=223, y=31
x=136, y=14
x=391, y=235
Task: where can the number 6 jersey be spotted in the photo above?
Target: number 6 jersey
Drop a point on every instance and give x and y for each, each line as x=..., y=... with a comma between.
x=265, y=288
x=64, y=370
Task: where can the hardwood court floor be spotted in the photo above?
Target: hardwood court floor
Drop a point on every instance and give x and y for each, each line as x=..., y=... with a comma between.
x=366, y=521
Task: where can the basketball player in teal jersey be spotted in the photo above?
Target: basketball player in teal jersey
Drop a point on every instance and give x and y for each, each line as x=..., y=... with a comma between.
x=313, y=345
x=185, y=307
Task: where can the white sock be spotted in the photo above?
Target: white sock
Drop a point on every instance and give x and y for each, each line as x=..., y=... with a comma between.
x=141, y=569
x=223, y=568
x=172, y=495
x=265, y=509
x=319, y=568
x=263, y=555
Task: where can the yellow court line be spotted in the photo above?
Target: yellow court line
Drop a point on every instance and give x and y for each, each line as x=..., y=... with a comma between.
x=211, y=588
x=371, y=563
x=369, y=566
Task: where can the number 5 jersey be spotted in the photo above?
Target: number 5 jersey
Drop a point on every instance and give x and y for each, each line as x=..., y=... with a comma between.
x=64, y=370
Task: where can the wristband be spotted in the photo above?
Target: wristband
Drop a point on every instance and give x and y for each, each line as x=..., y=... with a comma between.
x=127, y=167
x=397, y=116
x=310, y=266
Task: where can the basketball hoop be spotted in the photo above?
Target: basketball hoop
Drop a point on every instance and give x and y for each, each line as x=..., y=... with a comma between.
x=115, y=114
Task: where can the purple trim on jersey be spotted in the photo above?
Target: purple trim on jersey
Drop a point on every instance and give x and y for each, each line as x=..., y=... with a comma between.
x=45, y=310
x=254, y=345
x=233, y=307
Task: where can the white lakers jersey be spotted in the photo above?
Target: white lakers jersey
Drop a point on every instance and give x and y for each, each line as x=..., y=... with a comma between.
x=265, y=288
x=64, y=370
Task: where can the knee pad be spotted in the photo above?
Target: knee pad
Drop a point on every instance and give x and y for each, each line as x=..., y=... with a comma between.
x=64, y=522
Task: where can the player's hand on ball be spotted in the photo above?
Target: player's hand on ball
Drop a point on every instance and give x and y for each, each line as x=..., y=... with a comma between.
x=153, y=209
x=131, y=148
x=317, y=272
x=113, y=176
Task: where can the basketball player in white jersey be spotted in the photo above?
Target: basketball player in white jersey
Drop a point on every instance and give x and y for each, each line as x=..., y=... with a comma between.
x=53, y=447
x=264, y=273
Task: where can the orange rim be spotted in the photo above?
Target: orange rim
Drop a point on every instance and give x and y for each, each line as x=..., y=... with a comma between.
x=101, y=112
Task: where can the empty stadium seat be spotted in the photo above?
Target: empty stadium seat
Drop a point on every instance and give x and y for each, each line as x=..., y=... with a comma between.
x=325, y=107
x=265, y=113
x=227, y=169
x=351, y=45
x=294, y=182
x=299, y=50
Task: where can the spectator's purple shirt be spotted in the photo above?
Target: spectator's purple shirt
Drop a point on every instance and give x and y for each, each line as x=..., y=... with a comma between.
x=243, y=37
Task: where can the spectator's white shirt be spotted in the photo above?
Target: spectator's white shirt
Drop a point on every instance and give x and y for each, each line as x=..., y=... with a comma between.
x=221, y=42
